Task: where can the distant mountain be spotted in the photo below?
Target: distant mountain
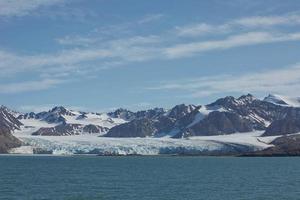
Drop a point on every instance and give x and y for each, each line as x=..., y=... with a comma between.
x=55, y=115
x=274, y=116
x=65, y=129
x=129, y=115
x=224, y=116
x=62, y=121
x=136, y=128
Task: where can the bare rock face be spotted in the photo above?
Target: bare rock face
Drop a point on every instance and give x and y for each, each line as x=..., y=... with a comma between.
x=283, y=146
x=91, y=128
x=180, y=111
x=122, y=114
x=136, y=128
x=284, y=126
x=60, y=130
x=8, y=141
x=8, y=120
x=8, y=123
x=55, y=115
x=219, y=123
x=70, y=129
x=129, y=115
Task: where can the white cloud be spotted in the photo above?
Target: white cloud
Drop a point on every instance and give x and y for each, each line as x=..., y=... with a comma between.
x=283, y=81
x=19, y=87
x=120, y=51
x=244, y=39
x=150, y=18
x=91, y=53
x=246, y=23
x=202, y=29
x=262, y=21
x=10, y=8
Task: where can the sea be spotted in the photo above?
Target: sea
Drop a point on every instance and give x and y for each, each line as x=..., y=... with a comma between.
x=148, y=178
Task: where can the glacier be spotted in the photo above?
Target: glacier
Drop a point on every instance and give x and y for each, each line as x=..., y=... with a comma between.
x=92, y=144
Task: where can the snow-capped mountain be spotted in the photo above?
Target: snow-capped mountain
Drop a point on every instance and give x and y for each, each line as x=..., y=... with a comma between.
x=246, y=117
x=224, y=116
x=62, y=121
x=283, y=100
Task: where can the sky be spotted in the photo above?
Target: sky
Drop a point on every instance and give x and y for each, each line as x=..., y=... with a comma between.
x=104, y=54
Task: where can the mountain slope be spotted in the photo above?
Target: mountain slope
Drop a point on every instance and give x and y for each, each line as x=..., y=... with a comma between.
x=8, y=123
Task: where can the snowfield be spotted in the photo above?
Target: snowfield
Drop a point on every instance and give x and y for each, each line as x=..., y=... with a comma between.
x=91, y=144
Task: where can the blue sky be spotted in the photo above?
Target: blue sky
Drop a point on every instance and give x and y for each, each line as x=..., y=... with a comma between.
x=105, y=54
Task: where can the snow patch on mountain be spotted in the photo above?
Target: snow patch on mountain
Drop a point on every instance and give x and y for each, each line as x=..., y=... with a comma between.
x=203, y=111
x=283, y=100
x=93, y=118
x=32, y=122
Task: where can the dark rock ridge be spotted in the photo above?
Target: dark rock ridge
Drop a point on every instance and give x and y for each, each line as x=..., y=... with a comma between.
x=283, y=146
x=219, y=123
x=122, y=114
x=136, y=128
x=8, y=123
x=65, y=129
x=180, y=111
x=55, y=115
x=91, y=128
x=151, y=123
x=129, y=115
x=284, y=126
x=8, y=141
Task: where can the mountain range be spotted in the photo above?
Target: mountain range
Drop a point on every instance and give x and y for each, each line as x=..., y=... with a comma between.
x=274, y=117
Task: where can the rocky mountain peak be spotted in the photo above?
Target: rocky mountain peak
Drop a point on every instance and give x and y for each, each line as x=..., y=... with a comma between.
x=122, y=114
x=180, y=110
x=246, y=98
x=7, y=120
x=225, y=102
x=61, y=111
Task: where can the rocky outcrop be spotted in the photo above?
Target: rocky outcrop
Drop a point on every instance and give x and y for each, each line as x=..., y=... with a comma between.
x=91, y=128
x=122, y=114
x=60, y=130
x=129, y=115
x=218, y=123
x=284, y=126
x=180, y=111
x=136, y=128
x=70, y=129
x=55, y=115
x=8, y=141
x=8, y=123
x=151, y=113
x=283, y=146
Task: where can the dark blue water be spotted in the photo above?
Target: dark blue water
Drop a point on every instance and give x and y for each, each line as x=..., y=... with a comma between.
x=138, y=178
